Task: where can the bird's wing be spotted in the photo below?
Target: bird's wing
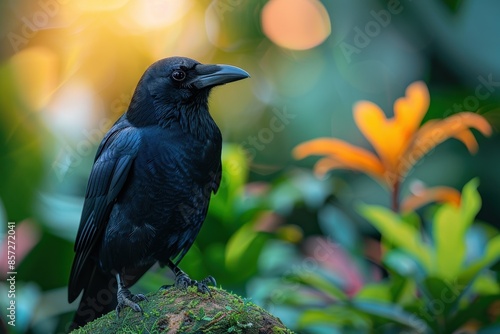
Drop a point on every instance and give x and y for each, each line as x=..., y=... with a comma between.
x=113, y=160
x=216, y=168
x=217, y=178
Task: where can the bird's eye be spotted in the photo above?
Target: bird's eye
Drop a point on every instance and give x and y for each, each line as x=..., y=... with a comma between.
x=178, y=75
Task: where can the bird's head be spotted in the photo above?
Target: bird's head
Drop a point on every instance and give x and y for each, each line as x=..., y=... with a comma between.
x=177, y=85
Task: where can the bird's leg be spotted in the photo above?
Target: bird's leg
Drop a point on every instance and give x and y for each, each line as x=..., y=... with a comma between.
x=183, y=281
x=126, y=298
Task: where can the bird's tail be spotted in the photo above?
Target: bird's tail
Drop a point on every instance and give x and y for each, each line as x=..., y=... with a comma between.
x=99, y=298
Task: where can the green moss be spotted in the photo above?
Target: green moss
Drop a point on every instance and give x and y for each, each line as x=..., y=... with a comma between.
x=175, y=311
x=193, y=303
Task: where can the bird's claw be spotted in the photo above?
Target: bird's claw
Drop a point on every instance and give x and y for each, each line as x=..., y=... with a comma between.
x=209, y=280
x=182, y=281
x=126, y=298
x=202, y=288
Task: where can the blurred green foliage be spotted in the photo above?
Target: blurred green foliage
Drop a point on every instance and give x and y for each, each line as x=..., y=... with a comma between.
x=20, y=138
x=441, y=276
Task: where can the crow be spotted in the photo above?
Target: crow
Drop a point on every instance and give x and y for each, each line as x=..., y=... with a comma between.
x=149, y=188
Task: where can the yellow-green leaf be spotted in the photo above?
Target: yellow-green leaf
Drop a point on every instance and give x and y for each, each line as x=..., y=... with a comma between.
x=398, y=233
x=449, y=227
x=380, y=292
x=316, y=281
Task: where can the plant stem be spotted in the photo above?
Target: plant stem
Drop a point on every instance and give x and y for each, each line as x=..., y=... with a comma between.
x=395, y=197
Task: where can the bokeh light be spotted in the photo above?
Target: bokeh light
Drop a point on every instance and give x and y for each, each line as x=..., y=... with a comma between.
x=296, y=24
x=35, y=71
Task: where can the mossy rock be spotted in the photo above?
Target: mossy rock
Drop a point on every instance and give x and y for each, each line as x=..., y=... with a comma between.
x=176, y=311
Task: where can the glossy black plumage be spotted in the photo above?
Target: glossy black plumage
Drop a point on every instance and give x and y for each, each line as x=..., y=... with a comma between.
x=150, y=186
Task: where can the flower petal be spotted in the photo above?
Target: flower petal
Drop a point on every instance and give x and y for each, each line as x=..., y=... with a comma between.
x=435, y=132
x=468, y=139
x=325, y=165
x=411, y=109
x=381, y=132
x=428, y=195
x=392, y=137
x=340, y=153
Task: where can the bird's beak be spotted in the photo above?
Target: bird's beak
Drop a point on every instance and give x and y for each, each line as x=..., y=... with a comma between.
x=214, y=75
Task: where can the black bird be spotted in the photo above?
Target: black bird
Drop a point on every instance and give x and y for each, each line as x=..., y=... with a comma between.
x=150, y=186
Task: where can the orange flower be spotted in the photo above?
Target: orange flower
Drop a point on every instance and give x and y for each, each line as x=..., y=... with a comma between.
x=399, y=142
x=421, y=196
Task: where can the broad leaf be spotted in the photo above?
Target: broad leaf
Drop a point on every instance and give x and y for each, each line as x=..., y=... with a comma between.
x=316, y=281
x=398, y=233
x=476, y=311
x=243, y=250
x=336, y=316
x=449, y=227
x=379, y=292
x=442, y=296
x=392, y=313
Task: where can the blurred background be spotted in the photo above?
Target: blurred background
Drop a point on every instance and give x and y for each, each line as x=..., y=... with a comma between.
x=69, y=68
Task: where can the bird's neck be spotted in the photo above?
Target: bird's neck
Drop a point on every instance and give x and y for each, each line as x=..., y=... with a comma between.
x=139, y=112
x=193, y=119
x=191, y=116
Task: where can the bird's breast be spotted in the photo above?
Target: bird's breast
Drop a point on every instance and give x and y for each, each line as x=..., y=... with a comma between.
x=172, y=178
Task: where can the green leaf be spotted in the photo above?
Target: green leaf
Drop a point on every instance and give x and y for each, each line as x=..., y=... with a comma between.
x=403, y=264
x=449, y=227
x=467, y=277
x=402, y=290
x=486, y=285
x=238, y=244
x=379, y=292
x=449, y=242
x=477, y=311
x=235, y=169
x=312, y=317
x=391, y=313
x=418, y=308
x=442, y=296
x=471, y=201
x=335, y=316
x=234, y=178
x=398, y=233
x=243, y=250
x=316, y=281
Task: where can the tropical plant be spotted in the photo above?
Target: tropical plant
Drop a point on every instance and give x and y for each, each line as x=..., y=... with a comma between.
x=399, y=142
x=441, y=279
x=440, y=273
